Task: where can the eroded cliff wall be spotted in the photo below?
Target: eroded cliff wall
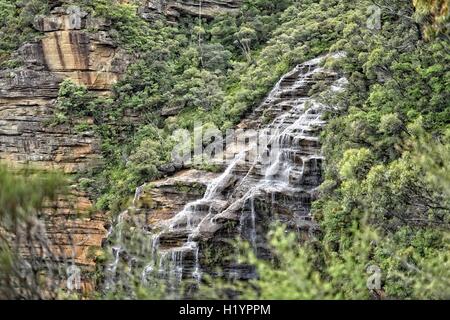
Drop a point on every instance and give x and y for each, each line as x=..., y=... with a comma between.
x=28, y=94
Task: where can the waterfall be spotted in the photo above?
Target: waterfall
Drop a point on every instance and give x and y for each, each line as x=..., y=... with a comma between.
x=247, y=191
x=117, y=249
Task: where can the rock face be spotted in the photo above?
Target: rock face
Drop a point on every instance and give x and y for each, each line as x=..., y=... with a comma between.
x=168, y=196
x=27, y=138
x=72, y=229
x=275, y=179
x=75, y=229
x=66, y=50
x=27, y=95
x=204, y=8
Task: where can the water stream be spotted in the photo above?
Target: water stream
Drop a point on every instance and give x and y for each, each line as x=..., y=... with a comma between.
x=283, y=177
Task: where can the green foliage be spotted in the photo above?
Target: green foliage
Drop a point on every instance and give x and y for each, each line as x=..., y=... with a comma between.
x=383, y=168
x=74, y=102
x=385, y=198
x=298, y=274
x=16, y=26
x=23, y=195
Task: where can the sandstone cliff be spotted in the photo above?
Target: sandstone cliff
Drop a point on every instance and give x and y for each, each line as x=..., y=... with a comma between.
x=27, y=94
x=27, y=101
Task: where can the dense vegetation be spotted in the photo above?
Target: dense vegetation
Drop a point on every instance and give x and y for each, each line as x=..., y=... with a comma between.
x=16, y=26
x=384, y=205
x=385, y=199
x=23, y=196
x=236, y=58
x=387, y=153
x=197, y=70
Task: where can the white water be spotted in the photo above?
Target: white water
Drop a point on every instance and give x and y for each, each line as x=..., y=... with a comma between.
x=292, y=143
x=117, y=249
x=288, y=129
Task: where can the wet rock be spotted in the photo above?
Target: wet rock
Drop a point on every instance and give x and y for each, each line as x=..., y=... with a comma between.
x=164, y=198
x=195, y=227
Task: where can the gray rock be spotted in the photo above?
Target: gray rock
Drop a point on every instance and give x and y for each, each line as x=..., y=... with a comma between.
x=175, y=8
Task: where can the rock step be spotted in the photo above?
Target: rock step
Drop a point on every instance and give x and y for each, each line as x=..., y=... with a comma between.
x=174, y=239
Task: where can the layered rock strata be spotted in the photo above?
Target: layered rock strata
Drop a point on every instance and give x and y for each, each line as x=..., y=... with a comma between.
x=66, y=50
x=27, y=94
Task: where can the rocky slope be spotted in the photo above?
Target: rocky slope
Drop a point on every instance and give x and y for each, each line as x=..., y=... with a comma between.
x=193, y=216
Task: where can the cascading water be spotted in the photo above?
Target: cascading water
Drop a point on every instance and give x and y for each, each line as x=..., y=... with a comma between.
x=117, y=249
x=280, y=182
